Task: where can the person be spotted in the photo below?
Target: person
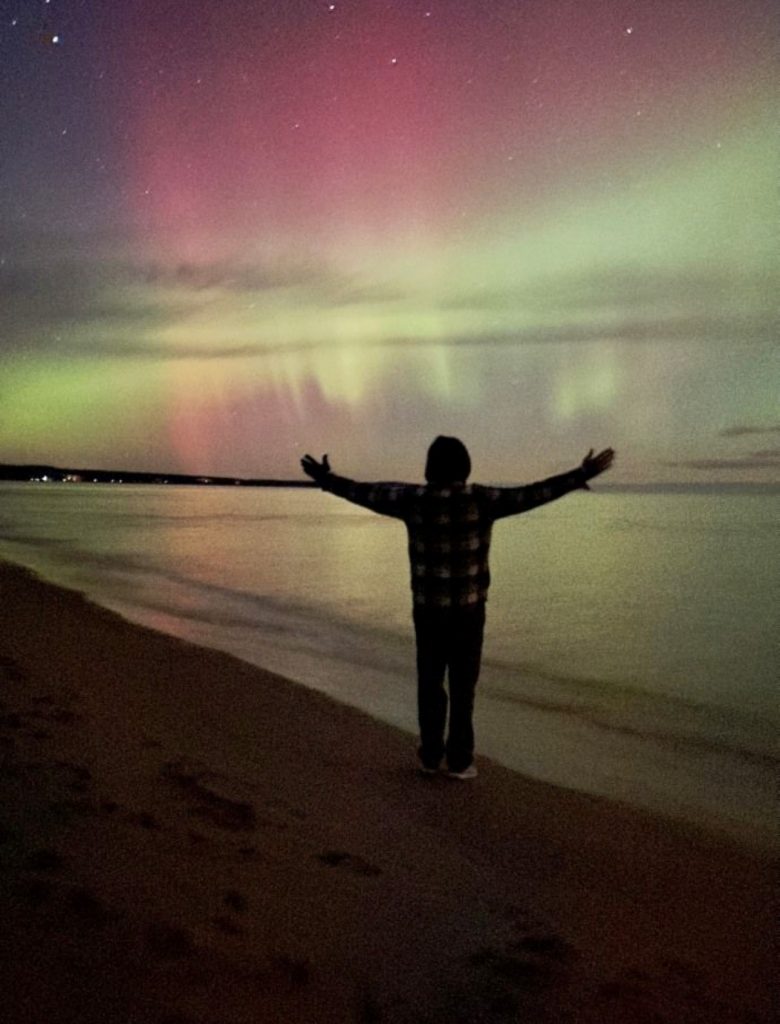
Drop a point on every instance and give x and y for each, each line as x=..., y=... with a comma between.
x=449, y=523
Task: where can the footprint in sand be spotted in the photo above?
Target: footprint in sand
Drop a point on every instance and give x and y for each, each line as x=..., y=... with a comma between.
x=236, y=901
x=88, y=908
x=531, y=961
x=353, y=863
x=214, y=796
x=78, y=902
x=144, y=820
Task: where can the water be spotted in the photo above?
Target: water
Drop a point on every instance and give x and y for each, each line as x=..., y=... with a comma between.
x=631, y=646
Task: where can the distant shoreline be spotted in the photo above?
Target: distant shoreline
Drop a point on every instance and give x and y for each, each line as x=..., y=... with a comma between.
x=44, y=473
x=39, y=473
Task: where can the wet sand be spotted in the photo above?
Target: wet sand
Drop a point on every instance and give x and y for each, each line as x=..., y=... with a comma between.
x=186, y=839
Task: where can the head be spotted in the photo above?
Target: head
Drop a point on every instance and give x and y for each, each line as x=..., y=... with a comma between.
x=448, y=461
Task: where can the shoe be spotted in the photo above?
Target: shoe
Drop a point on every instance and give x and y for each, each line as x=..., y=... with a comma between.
x=428, y=771
x=466, y=773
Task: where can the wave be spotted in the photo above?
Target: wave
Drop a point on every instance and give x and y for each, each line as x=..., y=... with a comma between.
x=673, y=738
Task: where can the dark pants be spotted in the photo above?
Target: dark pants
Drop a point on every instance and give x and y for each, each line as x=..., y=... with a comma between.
x=447, y=638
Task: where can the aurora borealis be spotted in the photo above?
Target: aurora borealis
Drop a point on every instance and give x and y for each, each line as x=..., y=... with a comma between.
x=233, y=232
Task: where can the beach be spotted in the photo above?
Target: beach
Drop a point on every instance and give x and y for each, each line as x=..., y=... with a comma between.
x=188, y=839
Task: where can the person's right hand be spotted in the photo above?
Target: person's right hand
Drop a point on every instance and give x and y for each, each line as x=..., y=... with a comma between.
x=592, y=464
x=316, y=470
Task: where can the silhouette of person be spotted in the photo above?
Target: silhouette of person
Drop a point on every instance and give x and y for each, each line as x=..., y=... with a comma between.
x=449, y=525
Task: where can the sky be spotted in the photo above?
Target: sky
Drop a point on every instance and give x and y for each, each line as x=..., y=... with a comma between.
x=235, y=232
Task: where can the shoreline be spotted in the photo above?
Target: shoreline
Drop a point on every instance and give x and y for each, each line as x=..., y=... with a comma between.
x=206, y=840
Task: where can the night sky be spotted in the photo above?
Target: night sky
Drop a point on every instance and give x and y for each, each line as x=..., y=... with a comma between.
x=232, y=232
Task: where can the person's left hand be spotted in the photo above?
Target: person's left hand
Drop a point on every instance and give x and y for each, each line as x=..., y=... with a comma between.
x=593, y=465
x=316, y=470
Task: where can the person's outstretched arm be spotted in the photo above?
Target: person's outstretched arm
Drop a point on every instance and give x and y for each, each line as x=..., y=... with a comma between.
x=386, y=498
x=509, y=501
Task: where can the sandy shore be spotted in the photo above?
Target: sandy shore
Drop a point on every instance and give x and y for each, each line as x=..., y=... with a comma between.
x=185, y=838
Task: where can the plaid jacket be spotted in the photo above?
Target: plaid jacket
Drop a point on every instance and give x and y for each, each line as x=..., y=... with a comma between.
x=449, y=528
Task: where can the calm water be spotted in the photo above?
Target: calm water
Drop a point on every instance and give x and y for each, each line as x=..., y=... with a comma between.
x=632, y=639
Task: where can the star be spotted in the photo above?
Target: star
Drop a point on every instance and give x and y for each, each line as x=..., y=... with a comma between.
x=629, y=30
x=393, y=60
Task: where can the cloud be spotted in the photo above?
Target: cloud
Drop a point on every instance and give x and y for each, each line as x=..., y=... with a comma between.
x=35, y=287
x=653, y=329
x=318, y=282
x=168, y=352
x=753, y=460
x=744, y=430
x=42, y=307
x=230, y=276
x=628, y=290
x=765, y=458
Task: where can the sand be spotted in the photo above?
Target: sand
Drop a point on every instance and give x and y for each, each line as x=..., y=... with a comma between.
x=186, y=838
